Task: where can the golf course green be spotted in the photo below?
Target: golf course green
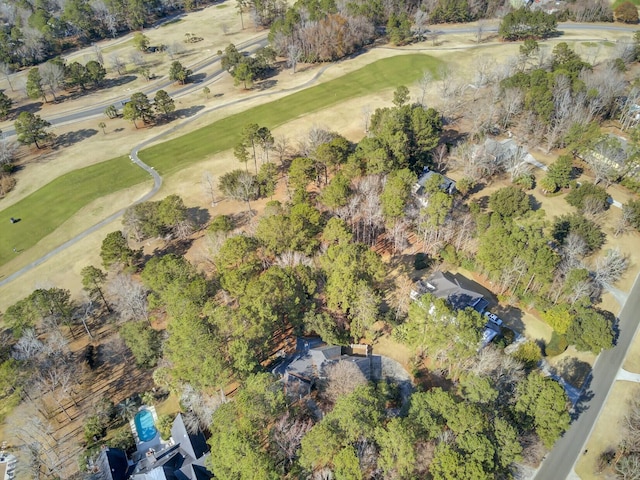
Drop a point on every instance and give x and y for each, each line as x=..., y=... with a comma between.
x=43, y=211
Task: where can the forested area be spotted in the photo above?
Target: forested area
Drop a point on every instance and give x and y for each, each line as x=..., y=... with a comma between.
x=308, y=268
x=309, y=264
x=36, y=30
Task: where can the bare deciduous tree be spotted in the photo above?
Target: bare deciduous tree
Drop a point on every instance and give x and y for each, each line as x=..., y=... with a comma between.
x=208, y=186
x=628, y=468
x=52, y=77
x=51, y=376
x=480, y=28
x=435, y=36
x=98, y=51
x=174, y=49
x=420, y=23
x=625, y=49
x=484, y=67
x=632, y=427
x=8, y=151
x=593, y=209
x=610, y=267
x=366, y=117
x=137, y=58
x=439, y=157
x=118, y=64
x=293, y=259
x=574, y=249
x=515, y=164
x=424, y=83
x=293, y=56
x=580, y=290
x=199, y=408
x=511, y=105
x=401, y=295
x=129, y=297
x=342, y=378
x=364, y=210
x=28, y=347
x=287, y=434
x=5, y=70
x=610, y=84
x=533, y=449
x=623, y=223
x=603, y=159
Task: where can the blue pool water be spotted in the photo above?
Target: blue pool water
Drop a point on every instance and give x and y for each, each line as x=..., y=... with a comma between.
x=144, y=425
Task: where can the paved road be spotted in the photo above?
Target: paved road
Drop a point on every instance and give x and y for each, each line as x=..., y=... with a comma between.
x=157, y=179
x=562, y=458
x=97, y=110
x=252, y=45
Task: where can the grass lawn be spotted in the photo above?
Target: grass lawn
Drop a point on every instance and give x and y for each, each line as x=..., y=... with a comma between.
x=117, y=46
x=173, y=155
x=617, y=3
x=47, y=208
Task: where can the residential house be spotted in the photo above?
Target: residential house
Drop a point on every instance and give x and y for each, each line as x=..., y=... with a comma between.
x=306, y=368
x=447, y=185
x=182, y=458
x=446, y=286
x=113, y=464
x=8, y=463
x=613, y=152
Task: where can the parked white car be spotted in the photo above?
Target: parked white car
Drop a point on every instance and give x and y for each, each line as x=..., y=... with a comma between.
x=492, y=317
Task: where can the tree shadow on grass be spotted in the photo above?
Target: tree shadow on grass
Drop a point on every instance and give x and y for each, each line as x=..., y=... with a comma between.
x=70, y=138
x=265, y=85
x=535, y=204
x=199, y=216
x=574, y=371
x=33, y=107
x=188, y=112
x=177, y=247
x=118, y=81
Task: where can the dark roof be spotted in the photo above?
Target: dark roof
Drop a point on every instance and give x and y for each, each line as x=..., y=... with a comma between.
x=443, y=285
x=180, y=476
x=447, y=184
x=114, y=464
x=201, y=473
x=194, y=445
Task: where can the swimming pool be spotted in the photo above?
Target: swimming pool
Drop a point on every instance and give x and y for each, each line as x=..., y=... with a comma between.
x=144, y=425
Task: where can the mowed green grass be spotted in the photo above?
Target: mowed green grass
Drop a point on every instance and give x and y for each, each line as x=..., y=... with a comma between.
x=617, y=3
x=47, y=208
x=224, y=134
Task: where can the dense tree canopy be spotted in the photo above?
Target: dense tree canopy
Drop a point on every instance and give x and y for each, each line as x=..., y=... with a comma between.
x=524, y=23
x=31, y=129
x=510, y=202
x=401, y=137
x=543, y=402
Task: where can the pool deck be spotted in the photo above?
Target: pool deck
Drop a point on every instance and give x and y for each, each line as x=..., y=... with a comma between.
x=155, y=443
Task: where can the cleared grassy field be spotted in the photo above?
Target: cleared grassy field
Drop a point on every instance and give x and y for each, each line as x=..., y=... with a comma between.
x=171, y=156
x=47, y=208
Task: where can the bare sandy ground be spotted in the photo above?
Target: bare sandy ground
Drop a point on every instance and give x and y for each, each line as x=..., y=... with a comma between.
x=607, y=432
